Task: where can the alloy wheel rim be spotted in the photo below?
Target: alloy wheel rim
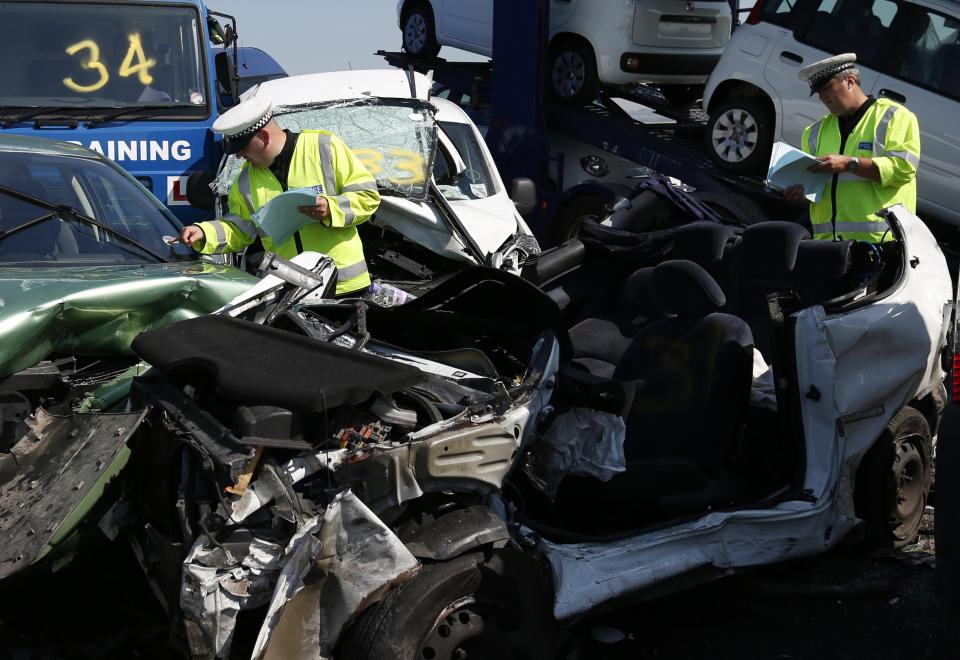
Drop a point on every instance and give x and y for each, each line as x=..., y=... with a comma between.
x=735, y=135
x=569, y=73
x=416, y=33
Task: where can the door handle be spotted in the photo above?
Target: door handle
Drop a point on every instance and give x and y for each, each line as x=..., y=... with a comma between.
x=896, y=96
x=793, y=57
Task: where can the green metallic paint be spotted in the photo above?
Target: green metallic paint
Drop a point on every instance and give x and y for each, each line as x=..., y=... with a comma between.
x=98, y=310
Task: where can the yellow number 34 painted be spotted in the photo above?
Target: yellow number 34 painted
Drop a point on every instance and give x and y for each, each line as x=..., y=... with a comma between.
x=134, y=62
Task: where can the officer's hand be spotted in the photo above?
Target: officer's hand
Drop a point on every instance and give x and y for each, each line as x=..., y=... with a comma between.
x=318, y=212
x=795, y=194
x=830, y=164
x=191, y=234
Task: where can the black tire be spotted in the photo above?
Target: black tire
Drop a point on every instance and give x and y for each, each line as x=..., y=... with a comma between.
x=732, y=207
x=573, y=72
x=419, y=31
x=947, y=509
x=739, y=135
x=893, y=481
x=488, y=606
x=566, y=224
x=680, y=96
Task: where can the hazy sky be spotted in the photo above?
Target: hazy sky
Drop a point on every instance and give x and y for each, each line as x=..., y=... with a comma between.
x=308, y=36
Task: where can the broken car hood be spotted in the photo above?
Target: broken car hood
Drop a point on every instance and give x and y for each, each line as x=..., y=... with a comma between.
x=487, y=221
x=98, y=310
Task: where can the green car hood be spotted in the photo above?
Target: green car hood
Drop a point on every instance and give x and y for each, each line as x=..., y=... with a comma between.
x=99, y=310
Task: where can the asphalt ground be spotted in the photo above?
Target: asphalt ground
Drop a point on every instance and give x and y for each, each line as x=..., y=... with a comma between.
x=848, y=604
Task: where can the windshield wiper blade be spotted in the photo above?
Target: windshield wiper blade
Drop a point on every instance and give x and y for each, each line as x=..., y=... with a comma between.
x=62, y=209
x=126, y=110
x=32, y=112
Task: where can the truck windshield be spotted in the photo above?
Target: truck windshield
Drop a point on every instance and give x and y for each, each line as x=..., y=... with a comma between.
x=75, y=57
x=128, y=224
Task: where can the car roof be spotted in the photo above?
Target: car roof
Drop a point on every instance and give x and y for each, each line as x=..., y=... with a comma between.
x=341, y=85
x=947, y=6
x=38, y=145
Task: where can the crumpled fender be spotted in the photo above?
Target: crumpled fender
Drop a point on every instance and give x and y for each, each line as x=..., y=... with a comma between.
x=351, y=563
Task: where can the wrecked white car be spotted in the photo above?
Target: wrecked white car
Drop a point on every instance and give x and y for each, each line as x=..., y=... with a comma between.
x=443, y=204
x=451, y=477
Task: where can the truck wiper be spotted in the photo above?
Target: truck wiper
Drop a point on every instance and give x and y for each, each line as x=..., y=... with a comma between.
x=126, y=110
x=62, y=209
x=8, y=119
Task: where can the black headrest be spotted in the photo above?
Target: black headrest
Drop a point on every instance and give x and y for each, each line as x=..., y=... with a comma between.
x=701, y=242
x=685, y=289
x=636, y=294
x=826, y=260
x=771, y=247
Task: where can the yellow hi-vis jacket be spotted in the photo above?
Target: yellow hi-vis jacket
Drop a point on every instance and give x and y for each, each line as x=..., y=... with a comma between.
x=887, y=133
x=319, y=159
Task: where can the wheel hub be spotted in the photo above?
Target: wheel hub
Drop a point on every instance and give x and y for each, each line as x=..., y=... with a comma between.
x=466, y=629
x=908, y=470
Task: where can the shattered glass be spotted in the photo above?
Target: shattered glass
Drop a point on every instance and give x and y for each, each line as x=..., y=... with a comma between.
x=395, y=139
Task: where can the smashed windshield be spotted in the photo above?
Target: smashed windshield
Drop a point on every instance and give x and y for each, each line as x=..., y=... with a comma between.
x=394, y=138
x=470, y=179
x=94, y=189
x=85, y=56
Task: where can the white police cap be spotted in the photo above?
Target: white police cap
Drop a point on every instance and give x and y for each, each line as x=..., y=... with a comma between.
x=818, y=74
x=241, y=122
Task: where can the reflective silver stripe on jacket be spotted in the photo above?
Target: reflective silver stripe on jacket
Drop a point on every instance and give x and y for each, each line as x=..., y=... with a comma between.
x=326, y=164
x=221, y=233
x=913, y=159
x=868, y=226
x=243, y=185
x=359, y=187
x=880, y=140
x=248, y=227
x=348, y=215
x=814, y=137
x=351, y=271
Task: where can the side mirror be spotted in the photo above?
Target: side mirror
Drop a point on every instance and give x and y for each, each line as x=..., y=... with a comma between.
x=199, y=193
x=524, y=196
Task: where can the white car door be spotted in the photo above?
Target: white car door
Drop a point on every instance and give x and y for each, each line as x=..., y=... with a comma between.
x=468, y=24
x=924, y=77
x=836, y=26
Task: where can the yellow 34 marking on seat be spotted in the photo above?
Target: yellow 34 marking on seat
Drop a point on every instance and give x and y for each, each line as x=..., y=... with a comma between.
x=127, y=67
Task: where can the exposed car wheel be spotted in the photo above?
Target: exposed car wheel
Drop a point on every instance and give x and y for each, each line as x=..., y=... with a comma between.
x=740, y=135
x=732, y=207
x=947, y=514
x=573, y=72
x=474, y=606
x=681, y=95
x=566, y=224
x=893, y=481
x=419, y=32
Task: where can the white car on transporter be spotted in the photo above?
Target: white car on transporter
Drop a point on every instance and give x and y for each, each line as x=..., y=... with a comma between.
x=443, y=204
x=907, y=51
x=667, y=42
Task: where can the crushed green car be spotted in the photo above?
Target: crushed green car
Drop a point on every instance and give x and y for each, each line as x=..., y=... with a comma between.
x=87, y=262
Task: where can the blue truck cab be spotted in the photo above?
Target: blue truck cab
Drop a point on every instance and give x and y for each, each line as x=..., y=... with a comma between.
x=140, y=82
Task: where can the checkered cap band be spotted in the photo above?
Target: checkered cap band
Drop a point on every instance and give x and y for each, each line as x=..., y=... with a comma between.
x=250, y=130
x=821, y=78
